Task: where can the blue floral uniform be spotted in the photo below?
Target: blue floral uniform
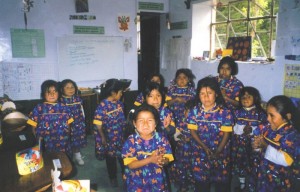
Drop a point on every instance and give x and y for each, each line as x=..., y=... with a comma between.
x=52, y=123
x=276, y=168
x=150, y=177
x=111, y=116
x=232, y=88
x=78, y=128
x=187, y=93
x=139, y=99
x=210, y=127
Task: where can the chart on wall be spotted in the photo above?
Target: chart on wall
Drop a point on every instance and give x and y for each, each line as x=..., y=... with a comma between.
x=90, y=58
x=22, y=81
x=292, y=80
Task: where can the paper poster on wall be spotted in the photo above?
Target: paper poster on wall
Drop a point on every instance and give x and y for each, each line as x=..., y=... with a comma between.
x=27, y=43
x=292, y=80
x=22, y=81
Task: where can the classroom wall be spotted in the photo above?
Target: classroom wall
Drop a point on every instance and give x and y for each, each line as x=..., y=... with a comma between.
x=268, y=78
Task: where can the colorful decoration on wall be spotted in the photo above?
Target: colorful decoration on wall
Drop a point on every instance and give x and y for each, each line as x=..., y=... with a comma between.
x=241, y=47
x=123, y=23
x=82, y=17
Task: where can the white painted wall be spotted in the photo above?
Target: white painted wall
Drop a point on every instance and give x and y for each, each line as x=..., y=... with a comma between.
x=267, y=78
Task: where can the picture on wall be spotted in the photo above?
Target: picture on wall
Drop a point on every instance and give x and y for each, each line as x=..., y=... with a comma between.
x=241, y=47
x=81, y=6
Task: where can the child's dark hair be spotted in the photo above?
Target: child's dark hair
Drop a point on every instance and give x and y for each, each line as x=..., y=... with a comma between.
x=284, y=106
x=152, y=86
x=110, y=86
x=256, y=96
x=212, y=83
x=188, y=73
x=65, y=82
x=46, y=86
x=232, y=64
x=162, y=79
x=132, y=116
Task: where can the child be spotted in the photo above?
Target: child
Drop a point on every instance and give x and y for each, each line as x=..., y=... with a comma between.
x=110, y=121
x=146, y=152
x=180, y=91
x=157, y=78
x=278, y=144
x=181, y=169
x=51, y=120
x=70, y=98
x=248, y=117
x=229, y=84
x=210, y=124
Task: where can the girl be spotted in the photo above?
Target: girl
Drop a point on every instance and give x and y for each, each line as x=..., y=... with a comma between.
x=210, y=124
x=248, y=117
x=110, y=121
x=278, y=144
x=229, y=84
x=146, y=152
x=157, y=78
x=180, y=91
x=70, y=98
x=181, y=169
x=51, y=120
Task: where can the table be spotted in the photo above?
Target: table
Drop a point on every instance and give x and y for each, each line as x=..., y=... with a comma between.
x=10, y=180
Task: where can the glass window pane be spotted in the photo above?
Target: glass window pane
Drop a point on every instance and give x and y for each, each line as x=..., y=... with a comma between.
x=220, y=36
x=238, y=10
x=221, y=13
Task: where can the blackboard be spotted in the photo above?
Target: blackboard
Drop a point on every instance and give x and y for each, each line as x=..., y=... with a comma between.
x=90, y=58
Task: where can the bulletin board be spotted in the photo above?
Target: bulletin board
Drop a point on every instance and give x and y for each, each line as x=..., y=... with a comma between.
x=89, y=58
x=292, y=80
x=241, y=47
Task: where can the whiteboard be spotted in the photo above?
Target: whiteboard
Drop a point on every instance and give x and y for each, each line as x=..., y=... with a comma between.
x=90, y=58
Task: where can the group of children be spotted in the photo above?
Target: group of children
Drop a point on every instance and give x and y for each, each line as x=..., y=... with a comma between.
x=190, y=136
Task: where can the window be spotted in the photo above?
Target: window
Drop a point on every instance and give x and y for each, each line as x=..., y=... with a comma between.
x=255, y=18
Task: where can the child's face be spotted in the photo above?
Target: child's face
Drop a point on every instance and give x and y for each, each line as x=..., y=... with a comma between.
x=274, y=118
x=225, y=71
x=117, y=95
x=207, y=97
x=155, y=79
x=69, y=90
x=247, y=100
x=145, y=124
x=51, y=95
x=154, y=98
x=182, y=80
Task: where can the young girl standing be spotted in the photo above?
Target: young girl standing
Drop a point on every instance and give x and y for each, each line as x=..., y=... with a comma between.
x=70, y=98
x=181, y=90
x=157, y=78
x=51, y=119
x=110, y=122
x=210, y=124
x=279, y=145
x=229, y=84
x=247, y=119
x=146, y=152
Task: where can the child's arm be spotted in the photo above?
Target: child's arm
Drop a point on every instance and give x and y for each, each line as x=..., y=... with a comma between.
x=222, y=144
x=197, y=139
x=155, y=158
x=100, y=130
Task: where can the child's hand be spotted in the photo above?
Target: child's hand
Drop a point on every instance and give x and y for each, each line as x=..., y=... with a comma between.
x=157, y=158
x=208, y=152
x=104, y=141
x=247, y=130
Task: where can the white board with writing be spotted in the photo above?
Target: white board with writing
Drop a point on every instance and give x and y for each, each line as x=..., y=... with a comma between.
x=89, y=58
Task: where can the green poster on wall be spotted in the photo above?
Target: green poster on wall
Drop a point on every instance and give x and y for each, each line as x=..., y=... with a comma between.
x=27, y=43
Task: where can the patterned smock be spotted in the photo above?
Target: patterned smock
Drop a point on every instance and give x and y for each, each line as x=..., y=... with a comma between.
x=150, y=177
x=52, y=123
x=139, y=99
x=275, y=171
x=164, y=112
x=78, y=128
x=181, y=170
x=110, y=115
x=232, y=88
x=210, y=127
x=187, y=93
